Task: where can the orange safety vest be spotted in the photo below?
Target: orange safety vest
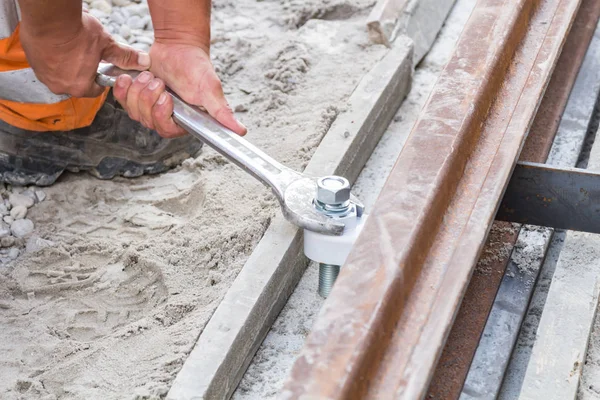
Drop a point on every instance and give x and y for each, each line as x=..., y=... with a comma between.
x=25, y=102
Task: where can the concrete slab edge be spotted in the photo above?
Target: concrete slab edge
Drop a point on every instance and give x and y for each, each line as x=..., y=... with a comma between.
x=237, y=328
x=383, y=19
x=422, y=21
x=562, y=338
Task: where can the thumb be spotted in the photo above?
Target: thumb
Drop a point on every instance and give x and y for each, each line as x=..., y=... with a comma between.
x=216, y=105
x=222, y=112
x=126, y=57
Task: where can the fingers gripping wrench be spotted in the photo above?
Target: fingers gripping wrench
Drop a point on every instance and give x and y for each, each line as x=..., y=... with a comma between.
x=295, y=191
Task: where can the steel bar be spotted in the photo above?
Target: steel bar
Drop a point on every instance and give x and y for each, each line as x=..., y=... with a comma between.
x=561, y=198
x=455, y=361
x=382, y=329
x=568, y=84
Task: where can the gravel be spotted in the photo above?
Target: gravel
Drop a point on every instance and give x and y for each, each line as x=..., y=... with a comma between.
x=127, y=20
x=101, y=5
x=13, y=253
x=4, y=230
x=7, y=241
x=18, y=212
x=22, y=200
x=40, y=196
x=15, y=228
x=22, y=228
x=135, y=22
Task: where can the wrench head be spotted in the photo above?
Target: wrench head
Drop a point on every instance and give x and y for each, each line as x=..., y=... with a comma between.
x=298, y=208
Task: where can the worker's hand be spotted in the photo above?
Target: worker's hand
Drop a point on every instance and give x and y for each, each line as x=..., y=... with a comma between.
x=186, y=69
x=67, y=62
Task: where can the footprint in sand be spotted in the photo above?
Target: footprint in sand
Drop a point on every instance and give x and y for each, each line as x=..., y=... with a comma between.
x=132, y=212
x=88, y=300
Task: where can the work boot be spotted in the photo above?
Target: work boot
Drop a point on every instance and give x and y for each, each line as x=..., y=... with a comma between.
x=112, y=145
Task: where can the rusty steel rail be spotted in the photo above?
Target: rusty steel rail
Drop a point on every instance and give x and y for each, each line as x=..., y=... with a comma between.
x=381, y=331
x=455, y=361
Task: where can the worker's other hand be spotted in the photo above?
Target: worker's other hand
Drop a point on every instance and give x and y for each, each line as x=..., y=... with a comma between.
x=187, y=70
x=67, y=62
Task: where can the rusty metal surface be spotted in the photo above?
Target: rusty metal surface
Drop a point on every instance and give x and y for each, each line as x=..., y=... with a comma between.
x=559, y=198
x=462, y=342
x=453, y=366
x=381, y=331
x=542, y=132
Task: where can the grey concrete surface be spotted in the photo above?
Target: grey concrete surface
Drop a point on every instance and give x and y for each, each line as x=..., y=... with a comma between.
x=556, y=361
x=421, y=22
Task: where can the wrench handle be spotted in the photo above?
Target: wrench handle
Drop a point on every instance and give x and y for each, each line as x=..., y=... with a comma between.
x=204, y=127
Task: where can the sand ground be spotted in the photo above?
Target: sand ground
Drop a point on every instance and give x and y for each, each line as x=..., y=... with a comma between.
x=135, y=269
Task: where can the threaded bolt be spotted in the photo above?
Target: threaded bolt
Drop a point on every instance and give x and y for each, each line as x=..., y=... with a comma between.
x=332, y=199
x=327, y=275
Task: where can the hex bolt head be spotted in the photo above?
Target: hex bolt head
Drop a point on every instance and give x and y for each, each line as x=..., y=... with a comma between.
x=333, y=190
